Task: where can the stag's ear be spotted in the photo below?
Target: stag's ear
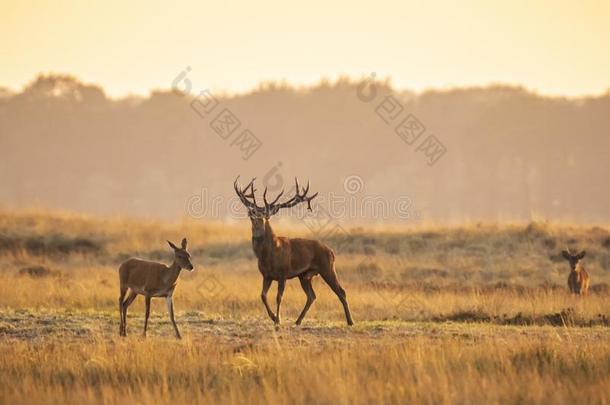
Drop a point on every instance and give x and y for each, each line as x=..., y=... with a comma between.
x=184, y=242
x=582, y=254
x=172, y=245
x=565, y=254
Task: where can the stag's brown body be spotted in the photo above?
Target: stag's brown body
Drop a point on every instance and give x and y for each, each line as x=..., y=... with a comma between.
x=284, y=258
x=281, y=258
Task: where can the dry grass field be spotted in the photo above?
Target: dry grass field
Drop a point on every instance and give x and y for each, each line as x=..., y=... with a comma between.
x=473, y=314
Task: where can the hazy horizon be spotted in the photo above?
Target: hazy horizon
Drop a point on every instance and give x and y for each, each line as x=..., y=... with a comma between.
x=339, y=77
x=503, y=153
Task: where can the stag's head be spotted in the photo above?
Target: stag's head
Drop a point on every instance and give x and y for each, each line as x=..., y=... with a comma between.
x=573, y=259
x=181, y=256
x=259, y=215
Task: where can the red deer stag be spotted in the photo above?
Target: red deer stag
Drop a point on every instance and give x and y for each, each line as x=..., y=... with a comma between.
x=578, y=280
x=151, y=279
x=280, y=258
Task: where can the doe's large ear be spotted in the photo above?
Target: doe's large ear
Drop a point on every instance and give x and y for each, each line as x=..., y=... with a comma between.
x=565, y=254
x=582, y=254
x=184, y=242
x=172, y=245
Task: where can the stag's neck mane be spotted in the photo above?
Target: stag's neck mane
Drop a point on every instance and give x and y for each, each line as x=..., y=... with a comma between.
x=263, y=246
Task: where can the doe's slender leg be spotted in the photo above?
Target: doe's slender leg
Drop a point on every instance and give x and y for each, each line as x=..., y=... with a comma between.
x=146, y=315
x=130, y=299
x=170, y=310
x=121, y=299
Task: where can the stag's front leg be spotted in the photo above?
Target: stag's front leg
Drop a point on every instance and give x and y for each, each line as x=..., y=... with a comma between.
x=281, y=284
x=266, y=286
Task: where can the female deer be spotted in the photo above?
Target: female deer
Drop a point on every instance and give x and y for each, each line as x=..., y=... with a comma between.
x=151, y=279
x=578, y=280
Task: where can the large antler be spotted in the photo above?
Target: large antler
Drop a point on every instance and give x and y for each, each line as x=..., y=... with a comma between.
x=244, y=196
x=271, y=208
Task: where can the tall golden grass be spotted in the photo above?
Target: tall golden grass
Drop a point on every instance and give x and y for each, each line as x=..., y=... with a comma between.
x=420, y=370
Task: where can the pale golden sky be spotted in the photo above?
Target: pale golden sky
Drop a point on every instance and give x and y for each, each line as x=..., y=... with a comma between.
x=553, y=47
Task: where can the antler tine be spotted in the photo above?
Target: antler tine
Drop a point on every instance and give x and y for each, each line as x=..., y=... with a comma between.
x=267, y=207
x=238, y=190
x=252, y=189
x=236, y=187
x=309, y=200
x=252, y=194
x=300, y=192
x=299, y=197
x=265, y=198
x=291, y=199
x=236, y=183
x=244, y=198
x=250, y=186
x=270, y=207
x=296, y=193
x=306, y=189
x=277, y=198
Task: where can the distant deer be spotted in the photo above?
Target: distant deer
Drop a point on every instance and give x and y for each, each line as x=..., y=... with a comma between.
x=578, y=280
x=151, y=279
x=280, y=258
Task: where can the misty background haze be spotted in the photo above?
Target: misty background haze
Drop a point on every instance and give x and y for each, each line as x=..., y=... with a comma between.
x=511, y=155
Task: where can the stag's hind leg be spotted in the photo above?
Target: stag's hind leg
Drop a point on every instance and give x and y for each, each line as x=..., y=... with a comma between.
x=305, y=280
x=331, y=279
x=121, y=299
x=130, y=298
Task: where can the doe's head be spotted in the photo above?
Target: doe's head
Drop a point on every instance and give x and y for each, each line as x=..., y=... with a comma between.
x=181, y=256
x=573, y=259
